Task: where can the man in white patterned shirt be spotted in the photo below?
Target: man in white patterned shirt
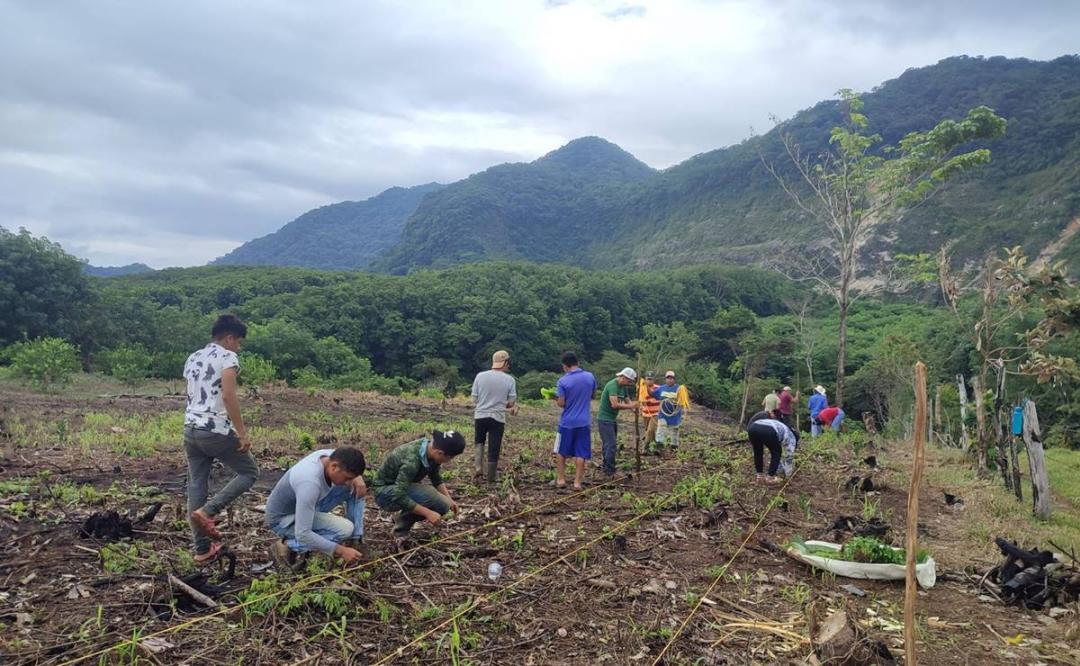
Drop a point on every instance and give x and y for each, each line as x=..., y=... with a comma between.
x=215, y=429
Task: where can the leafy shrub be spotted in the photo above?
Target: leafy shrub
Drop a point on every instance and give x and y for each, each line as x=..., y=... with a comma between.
x=256, y=370
x=709, y=387
x=128, y=363
x=167, y=365
x=367, y=381
x=530, y=383
x=44, y=362
x=308, y=378
x=609, y=363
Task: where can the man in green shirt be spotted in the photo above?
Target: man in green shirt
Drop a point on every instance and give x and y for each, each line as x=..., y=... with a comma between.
x=398, y=482
x=615, y=397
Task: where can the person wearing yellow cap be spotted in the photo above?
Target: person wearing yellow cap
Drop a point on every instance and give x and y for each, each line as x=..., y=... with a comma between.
x=494, y=393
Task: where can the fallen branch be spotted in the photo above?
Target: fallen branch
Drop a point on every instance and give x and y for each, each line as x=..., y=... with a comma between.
x=192, y=592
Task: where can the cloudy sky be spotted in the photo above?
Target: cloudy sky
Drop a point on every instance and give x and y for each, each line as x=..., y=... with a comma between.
x=171, y=132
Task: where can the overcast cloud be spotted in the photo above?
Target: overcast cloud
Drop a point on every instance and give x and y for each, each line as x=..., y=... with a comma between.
x=169, y=133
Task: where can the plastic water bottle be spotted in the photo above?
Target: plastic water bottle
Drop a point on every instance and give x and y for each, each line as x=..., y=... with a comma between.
x=494, y=571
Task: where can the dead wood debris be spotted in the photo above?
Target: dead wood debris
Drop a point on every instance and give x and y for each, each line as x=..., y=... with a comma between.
x=1035, y=579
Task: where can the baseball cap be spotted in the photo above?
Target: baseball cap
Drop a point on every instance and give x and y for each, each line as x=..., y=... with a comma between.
x=500, y=358
x=649, y=374
x=628, y=373
x=787, y=388
x=669, y=373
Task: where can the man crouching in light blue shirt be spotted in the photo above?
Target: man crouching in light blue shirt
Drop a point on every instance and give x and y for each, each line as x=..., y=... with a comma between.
x=299, y=506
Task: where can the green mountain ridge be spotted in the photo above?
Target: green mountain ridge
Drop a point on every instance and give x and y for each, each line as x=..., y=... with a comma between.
x=724, y=205
x=548, y=210
x=346, y=235
x=116, y=271
x=592, y=204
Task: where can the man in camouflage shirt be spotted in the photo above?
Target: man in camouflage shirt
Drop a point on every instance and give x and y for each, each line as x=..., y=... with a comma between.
x=398, y=482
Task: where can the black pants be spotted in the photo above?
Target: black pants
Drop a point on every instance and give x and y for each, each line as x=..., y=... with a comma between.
x=491, y=431
x=784, y=418
x=763, y=436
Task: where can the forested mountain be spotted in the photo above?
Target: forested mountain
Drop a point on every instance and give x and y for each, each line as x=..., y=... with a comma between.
x=592, y=204
x=115, y=271
x=551, y=210
x=344, y=235
x=724, y=205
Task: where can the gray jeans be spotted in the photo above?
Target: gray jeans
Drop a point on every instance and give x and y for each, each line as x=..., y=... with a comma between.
x=202, y=448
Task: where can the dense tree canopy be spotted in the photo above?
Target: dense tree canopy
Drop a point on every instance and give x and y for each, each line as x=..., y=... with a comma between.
x=43, y=291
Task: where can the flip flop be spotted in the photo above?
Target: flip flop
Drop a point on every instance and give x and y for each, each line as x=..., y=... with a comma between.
x=210, y=555
x=205, y=525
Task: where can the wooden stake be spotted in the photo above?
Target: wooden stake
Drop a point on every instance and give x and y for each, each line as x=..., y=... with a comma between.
x=637, y=429
x=937, y=414
x=795, y=400
x=1040, y=480
x=912, y=541
x=965, y=442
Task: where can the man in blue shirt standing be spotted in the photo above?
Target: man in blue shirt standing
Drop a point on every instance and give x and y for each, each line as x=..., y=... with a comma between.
x=671, y=413
x=817, y=402
x=573, y=393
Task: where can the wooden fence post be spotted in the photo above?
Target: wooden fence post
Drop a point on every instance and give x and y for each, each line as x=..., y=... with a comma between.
x=911, y=543
x=962, y=389
x=1040, y=481
x=937, y=413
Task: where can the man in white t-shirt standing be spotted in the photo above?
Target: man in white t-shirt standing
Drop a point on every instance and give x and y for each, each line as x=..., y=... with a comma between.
x=214, y=430
x=494, y=392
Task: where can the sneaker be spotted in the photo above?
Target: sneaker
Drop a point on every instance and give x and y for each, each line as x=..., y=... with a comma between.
x=282, y=556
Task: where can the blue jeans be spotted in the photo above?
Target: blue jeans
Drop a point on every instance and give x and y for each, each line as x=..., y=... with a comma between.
x=838, y=420
x=815, y=427
x=423, y=494
x=326, y=524
x=609, y=438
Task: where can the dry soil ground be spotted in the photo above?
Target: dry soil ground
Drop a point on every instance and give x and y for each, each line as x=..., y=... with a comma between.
x=608, y=575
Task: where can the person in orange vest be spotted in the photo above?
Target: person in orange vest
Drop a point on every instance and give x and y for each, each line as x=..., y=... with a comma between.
x=650, y=407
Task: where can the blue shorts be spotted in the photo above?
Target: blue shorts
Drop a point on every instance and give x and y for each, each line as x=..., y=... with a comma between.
x=574, y=442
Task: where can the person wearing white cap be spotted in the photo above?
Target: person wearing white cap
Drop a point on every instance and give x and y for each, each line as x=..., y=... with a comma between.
x=817, y=402
x=614, y=397
x=494, y=392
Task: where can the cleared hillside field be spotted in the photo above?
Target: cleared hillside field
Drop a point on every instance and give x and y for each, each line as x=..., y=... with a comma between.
x=613, y=574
